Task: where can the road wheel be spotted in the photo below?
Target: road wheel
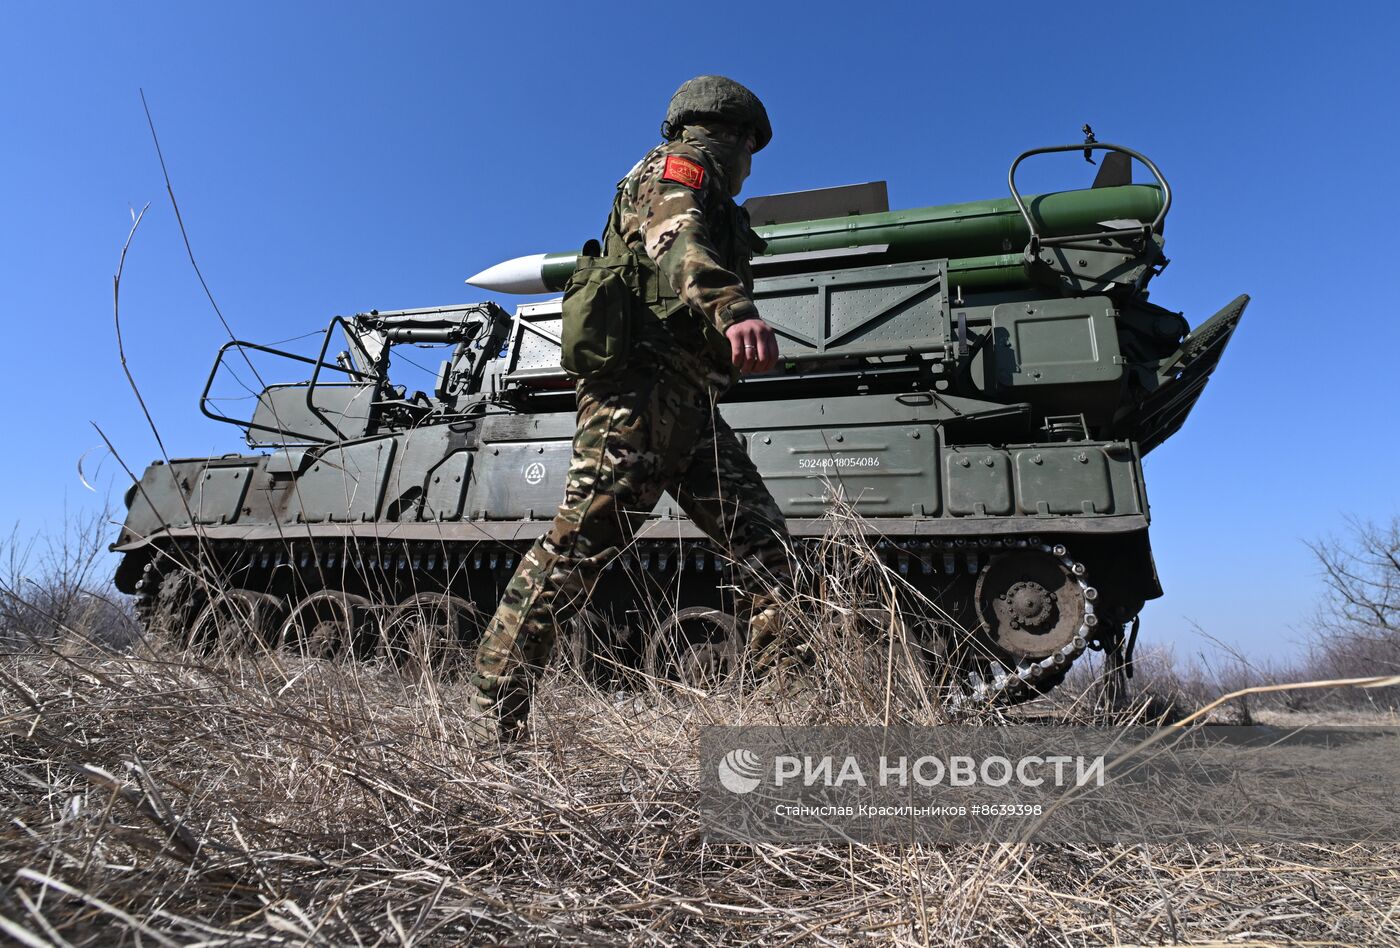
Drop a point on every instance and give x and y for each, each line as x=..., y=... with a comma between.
x=432, y=632
x=236, y=617
x=697, y=647
x=327, y=624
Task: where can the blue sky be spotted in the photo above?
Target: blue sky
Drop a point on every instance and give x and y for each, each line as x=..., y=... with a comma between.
x=333, y=158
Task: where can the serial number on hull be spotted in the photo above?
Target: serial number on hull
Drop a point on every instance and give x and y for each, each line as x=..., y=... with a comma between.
x=823, y=464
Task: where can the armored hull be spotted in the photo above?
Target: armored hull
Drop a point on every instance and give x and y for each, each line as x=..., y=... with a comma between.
x=985, y=414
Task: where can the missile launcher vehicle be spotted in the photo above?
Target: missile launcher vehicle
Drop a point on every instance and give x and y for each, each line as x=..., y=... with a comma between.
x=980, y=381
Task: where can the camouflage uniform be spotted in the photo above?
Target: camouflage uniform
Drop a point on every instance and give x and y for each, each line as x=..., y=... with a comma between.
x=652, y=428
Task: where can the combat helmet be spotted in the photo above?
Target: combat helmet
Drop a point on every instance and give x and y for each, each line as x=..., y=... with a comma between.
x=716, y=97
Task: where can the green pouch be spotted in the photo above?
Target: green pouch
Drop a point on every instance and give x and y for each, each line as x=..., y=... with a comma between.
x=600, y=307
x=693, y=331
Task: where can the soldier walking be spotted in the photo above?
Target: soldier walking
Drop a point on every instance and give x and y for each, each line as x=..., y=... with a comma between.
x=647, y=417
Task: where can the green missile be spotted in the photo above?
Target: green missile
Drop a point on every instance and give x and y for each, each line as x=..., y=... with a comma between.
x=982, y=240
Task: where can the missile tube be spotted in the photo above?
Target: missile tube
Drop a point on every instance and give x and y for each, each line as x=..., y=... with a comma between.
x=982, y=240
x=970, y=273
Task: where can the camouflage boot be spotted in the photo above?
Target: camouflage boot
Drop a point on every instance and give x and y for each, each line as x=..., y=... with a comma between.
x=502, y=721
x=765, y=640
x=780, y=661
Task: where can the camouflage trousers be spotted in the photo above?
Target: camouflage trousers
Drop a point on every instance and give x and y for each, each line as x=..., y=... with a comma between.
x=651, y=430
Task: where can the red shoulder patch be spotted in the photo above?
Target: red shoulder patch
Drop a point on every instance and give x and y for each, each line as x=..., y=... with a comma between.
x=683, y=171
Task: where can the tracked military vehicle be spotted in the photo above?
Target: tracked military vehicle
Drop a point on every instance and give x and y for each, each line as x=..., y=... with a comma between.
x=980, y=381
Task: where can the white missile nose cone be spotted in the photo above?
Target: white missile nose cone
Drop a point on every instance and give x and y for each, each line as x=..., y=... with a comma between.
x=520, y=275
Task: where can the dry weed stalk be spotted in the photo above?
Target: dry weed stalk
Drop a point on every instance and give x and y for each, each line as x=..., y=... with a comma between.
x=243, y=796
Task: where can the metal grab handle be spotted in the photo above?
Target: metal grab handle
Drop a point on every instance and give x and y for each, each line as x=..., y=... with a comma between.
x=242, y=346
x=1037, y=240
x=320, y=361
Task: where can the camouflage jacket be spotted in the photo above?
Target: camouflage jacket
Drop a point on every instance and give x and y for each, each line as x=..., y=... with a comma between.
x=674, y=207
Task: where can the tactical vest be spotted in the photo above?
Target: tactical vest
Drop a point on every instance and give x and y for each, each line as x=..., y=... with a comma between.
x=617, y=292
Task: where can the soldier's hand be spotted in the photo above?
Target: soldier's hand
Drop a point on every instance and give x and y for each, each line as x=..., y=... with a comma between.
x=753, y=345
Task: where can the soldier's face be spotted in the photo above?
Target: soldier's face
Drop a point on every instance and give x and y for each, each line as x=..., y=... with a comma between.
x=745, y=142
x=743, y=164
x=736, y=151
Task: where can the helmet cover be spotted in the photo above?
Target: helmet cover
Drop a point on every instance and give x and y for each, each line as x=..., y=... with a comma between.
x=717, y=97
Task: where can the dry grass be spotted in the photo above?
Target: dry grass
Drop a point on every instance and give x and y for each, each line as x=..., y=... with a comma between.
x=164, y=798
